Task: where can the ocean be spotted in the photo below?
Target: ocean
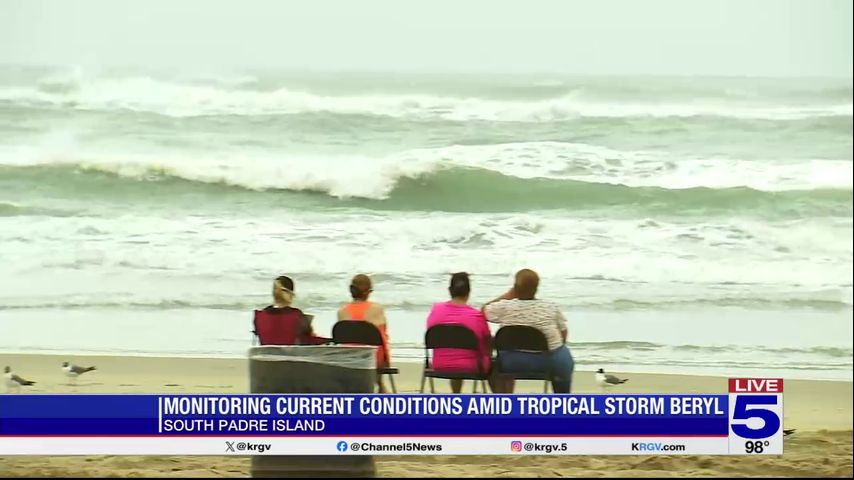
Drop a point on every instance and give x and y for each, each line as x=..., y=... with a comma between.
x=685, y=225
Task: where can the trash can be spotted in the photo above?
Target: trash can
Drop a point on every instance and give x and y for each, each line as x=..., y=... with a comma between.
x=312, y=369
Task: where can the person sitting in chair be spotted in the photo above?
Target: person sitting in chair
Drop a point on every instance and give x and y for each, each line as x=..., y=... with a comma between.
x=458, y=311
x=363, y=309
x=281, y=323
x=518, y=306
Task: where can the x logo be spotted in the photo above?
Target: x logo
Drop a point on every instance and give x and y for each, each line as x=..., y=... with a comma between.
x=229, y=446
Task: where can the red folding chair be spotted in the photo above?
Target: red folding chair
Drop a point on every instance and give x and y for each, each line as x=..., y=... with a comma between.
x=283, y=326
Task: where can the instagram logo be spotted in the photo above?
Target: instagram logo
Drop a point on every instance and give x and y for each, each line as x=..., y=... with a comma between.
x=516, y=446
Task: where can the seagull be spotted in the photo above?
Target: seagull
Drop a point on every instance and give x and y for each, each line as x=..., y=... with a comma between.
x=608, y=380
x=13, y=381
x=75, y=371
x=788, y=432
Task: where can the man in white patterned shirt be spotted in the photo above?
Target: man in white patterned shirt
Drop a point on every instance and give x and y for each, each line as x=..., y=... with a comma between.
x=520, y=307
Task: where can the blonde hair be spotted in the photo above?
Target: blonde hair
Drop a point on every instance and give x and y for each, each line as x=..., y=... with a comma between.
x=282, y=295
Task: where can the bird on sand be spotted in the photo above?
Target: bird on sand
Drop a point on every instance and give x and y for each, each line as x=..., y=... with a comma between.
x=606, y=381
x=73, y=371
x=13, y=381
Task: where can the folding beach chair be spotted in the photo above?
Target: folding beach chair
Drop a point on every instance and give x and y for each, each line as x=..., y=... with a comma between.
x=452, y=336
x=525, y=339
x=283, y=327
x=277, y=327
x=361, y=332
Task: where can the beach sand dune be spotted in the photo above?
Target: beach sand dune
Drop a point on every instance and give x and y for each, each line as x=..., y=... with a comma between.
x=820, y=411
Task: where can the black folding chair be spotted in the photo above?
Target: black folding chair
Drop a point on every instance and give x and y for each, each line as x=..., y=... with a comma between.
x=452, y=336
x=362, y=332
x=524, y=339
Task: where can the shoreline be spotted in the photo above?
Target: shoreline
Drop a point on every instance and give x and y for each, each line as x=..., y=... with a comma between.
x=408, y=360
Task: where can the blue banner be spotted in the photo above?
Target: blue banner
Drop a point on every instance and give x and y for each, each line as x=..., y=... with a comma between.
x=363, y=415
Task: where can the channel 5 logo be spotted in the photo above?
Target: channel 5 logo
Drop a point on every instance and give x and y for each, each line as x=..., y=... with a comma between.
x=756, y=416
x=516, y=446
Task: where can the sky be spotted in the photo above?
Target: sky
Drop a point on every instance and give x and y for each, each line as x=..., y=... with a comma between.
x=780, y=38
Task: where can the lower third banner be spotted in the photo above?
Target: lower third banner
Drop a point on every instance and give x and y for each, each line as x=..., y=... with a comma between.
x=746, y=422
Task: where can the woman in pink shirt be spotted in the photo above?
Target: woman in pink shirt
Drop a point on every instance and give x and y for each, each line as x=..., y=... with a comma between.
x=458, y=311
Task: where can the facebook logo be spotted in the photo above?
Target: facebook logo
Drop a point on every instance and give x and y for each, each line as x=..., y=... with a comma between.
x=342, y=446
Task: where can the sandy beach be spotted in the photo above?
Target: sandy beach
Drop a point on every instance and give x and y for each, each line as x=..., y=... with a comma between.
x=820, y=411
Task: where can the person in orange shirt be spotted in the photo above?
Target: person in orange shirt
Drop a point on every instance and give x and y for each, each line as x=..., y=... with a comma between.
x=363, y=309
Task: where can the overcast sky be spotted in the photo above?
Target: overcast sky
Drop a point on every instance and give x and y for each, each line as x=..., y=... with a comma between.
x=682, y=37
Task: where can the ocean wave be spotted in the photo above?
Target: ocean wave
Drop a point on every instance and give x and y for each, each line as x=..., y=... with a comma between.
x=543, y=164
x=729, y=301
x=11, y=209
x=477, y=190
x=233, y=97
x=597, y=164
x=321, y=299
x=165, y=304
x=8, y=209
x=449, y=189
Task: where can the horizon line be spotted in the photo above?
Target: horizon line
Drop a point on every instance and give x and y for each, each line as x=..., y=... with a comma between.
x=423, y=72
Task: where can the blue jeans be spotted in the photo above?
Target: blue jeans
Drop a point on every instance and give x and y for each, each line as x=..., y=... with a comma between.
x=558, y=360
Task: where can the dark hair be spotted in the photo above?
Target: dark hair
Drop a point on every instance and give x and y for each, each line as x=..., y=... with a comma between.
x=361, y=287
x=286, y=282
x=460, y=285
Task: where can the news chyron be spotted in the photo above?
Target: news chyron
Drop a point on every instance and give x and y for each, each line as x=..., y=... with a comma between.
x=745, y=420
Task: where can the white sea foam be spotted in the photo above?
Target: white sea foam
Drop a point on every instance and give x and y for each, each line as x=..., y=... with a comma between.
x=376, y=177
x=587, y=261
x=231, y=97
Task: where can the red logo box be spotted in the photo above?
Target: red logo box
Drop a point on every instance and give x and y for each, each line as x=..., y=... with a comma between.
x=755, y=385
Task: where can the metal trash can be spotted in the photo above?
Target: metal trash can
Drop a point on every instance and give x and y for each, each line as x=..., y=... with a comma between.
x=312, y=369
